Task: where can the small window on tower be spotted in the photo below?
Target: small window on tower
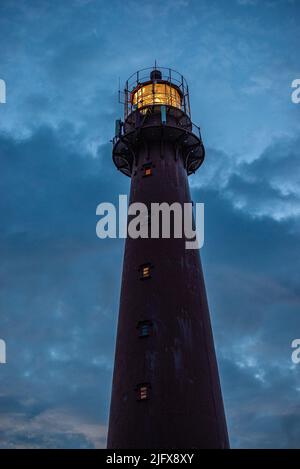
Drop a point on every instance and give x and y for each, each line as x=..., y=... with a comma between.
x=143, y=391
x=144, y=328
x=147, y=169
x=145, y=271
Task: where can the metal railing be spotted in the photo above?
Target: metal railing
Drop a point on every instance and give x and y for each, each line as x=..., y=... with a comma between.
x=191, y=127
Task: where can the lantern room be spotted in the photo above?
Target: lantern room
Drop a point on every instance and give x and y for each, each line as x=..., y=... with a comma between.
x=156, y=86
x=156, y=109
x=156, y=92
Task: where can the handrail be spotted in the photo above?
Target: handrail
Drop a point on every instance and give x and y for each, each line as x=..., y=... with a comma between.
x=196, y=130
x=179, y=78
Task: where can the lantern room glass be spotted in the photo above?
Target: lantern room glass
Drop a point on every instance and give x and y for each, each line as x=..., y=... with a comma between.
x=156, y=94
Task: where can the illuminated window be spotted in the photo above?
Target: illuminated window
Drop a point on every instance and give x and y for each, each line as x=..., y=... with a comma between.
x=147, y=169
x=145, y=271
x=144, y=328
x=143, y=391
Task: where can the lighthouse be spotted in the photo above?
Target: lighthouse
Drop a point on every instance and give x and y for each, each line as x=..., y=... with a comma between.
x=166, y=391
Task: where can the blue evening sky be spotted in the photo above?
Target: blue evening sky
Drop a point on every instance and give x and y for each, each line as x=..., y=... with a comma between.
x=59, y=284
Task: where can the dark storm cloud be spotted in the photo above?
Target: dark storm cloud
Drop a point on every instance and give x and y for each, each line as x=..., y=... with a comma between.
x=251, y=266
x=60, y=319
x=268, y=186
x=60, y=288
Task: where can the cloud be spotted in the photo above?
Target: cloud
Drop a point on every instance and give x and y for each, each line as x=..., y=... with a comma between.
x=247, y=2
x=250, y=267
x=60, y=285
x=59, y=322
x=51, y=428
x=265, y=187
x=59, y=293
x=269, y=186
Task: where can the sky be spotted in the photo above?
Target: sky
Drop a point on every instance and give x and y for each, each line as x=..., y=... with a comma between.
x=60, y=284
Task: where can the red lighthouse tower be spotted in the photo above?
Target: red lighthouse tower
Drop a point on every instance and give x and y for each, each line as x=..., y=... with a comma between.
x=166, y=391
